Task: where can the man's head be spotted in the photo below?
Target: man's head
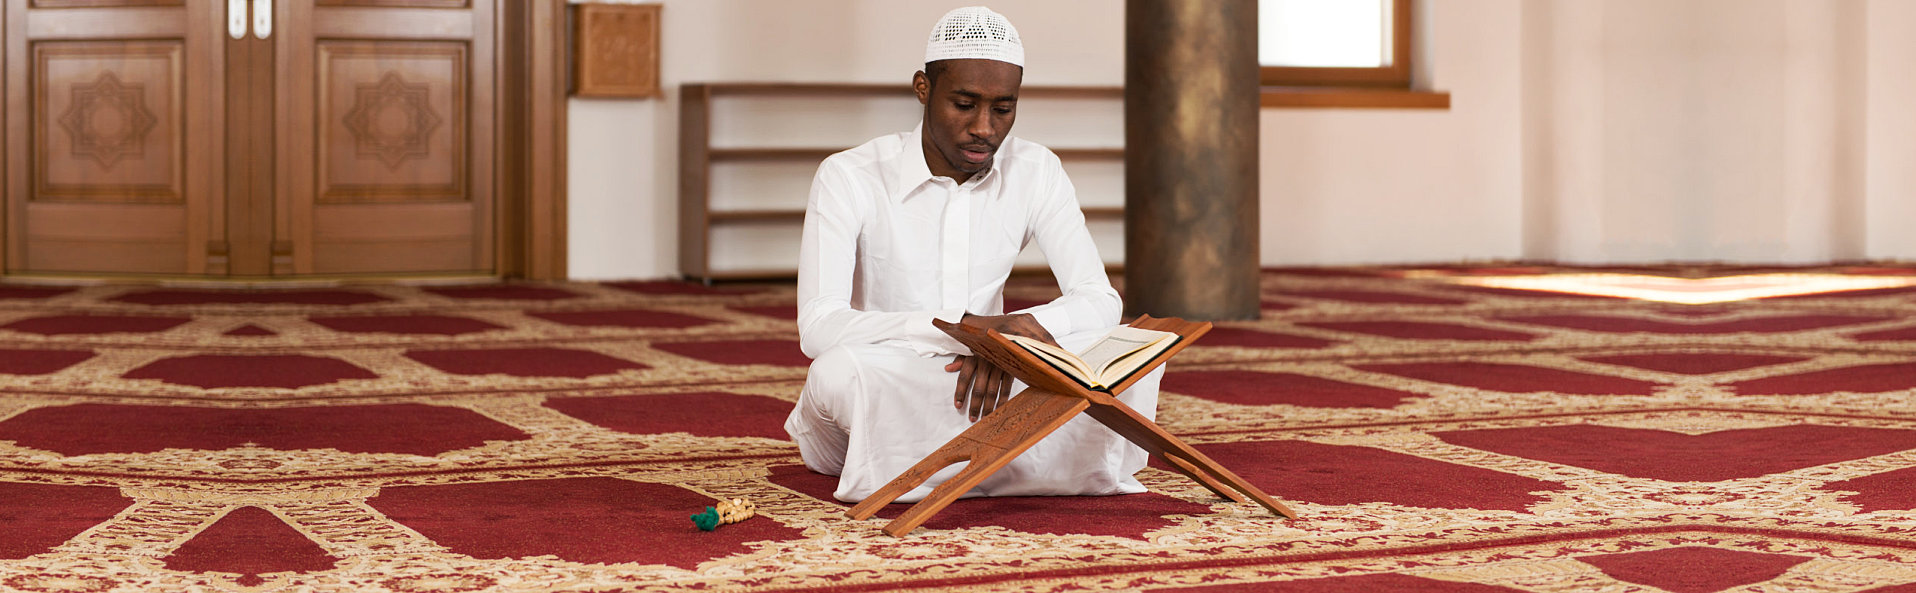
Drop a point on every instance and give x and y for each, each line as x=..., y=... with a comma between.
x=974, y=64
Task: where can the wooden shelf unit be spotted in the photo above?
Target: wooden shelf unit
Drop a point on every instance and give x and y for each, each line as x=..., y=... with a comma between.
x=697, y=216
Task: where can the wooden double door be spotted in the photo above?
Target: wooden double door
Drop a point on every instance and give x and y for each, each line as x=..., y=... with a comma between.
x=251, y=138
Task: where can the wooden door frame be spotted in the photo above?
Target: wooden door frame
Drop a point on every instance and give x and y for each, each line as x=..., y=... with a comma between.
x=531, y=213
x=530, y=217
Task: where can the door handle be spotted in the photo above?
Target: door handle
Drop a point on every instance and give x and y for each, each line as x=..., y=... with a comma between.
x=263, y=19
x=236, y=19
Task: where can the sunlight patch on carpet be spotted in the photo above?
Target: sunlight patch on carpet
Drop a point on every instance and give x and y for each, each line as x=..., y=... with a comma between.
x=1688, y=291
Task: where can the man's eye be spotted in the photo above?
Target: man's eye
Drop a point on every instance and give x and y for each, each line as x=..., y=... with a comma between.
x=1004, y=110
x=964, y=106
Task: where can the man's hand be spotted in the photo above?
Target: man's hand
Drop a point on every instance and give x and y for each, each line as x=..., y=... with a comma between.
x=987, y=385
x=1016, y=324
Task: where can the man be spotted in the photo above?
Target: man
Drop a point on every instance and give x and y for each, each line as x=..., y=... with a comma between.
x=925, y=224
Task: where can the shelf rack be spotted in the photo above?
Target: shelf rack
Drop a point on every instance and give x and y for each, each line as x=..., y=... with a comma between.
x=697, y=217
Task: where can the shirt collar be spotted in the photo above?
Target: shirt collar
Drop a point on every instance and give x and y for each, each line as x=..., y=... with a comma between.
x=911, y=171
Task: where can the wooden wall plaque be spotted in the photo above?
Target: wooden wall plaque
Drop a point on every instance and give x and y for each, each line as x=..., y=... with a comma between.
x=616, y=50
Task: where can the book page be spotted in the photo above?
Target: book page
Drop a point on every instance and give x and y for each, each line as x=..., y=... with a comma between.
x=1106, y=361
x=1115, y=371
x=1122, y=340
x=1065, y=361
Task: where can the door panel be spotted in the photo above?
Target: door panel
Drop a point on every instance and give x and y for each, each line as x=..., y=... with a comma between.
x=249, y=158
x=400, y=138
x=358, y=137
x=386, y=136
x=397, y=3
x=106, y=106
x=107, y=122
x=104, y=238
x=103, y=3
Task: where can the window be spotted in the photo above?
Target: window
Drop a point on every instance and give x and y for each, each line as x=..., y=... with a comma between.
x=1334, y=42
x=1338, y=53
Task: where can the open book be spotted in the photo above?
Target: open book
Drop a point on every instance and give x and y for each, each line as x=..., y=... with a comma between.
x=1109, y=360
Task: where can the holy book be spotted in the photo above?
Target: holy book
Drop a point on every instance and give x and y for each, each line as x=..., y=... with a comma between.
x=1106, y=362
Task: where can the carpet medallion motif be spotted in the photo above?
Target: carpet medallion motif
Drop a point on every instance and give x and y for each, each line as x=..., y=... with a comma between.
x=1432, y=435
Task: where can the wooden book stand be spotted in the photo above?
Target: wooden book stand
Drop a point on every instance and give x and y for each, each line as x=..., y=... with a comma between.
x=1050, y=400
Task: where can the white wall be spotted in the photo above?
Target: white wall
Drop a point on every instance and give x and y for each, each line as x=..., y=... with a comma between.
x=1699, y=130
x=1360, y=186
x=623, y=175
x=1890, y=204
x=1607, y=131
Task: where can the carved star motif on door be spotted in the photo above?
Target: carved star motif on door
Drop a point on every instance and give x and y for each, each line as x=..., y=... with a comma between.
x=107, y=120
x=392, y=120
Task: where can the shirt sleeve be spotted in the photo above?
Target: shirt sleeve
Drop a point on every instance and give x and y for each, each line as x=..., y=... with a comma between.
x=828, y=257
x=1089, y=302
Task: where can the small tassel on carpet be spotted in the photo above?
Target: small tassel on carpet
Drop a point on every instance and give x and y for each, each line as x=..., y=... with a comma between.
x=726, y=513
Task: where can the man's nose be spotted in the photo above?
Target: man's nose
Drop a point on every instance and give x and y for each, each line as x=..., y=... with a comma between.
x=980, y=125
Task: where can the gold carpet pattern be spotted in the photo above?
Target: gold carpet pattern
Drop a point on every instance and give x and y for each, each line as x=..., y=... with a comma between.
x=1433, y=436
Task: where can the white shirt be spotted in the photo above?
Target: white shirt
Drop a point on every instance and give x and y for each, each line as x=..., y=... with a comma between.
x=888, y=247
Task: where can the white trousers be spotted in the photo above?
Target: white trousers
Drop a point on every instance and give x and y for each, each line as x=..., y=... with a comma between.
x=868, y=412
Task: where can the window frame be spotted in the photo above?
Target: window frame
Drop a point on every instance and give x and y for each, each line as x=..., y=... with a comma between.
x=1386, y=87
x=1396, y=75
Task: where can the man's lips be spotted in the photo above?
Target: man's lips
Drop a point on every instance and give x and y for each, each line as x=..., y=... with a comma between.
x=976, y=154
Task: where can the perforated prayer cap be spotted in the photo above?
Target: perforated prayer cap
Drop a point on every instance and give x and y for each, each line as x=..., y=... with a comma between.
x=975, y=33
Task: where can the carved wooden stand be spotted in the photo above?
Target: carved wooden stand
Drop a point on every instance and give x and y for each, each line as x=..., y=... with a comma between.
x=1050, y=400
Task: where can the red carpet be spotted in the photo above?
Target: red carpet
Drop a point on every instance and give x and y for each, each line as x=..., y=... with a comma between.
x=556, y=437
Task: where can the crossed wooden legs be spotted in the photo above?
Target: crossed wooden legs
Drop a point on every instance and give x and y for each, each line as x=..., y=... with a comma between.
x=1014, y=427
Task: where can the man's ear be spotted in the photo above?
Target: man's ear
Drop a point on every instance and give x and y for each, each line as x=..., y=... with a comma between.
x=921, y=85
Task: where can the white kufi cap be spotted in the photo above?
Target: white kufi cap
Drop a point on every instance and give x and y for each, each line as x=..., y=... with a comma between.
x=975, y=33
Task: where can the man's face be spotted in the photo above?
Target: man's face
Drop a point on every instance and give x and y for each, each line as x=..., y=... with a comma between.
x=969, y=108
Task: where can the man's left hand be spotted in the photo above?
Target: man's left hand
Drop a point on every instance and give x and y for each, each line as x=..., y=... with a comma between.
x=982, y=386
x=1015, y=324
